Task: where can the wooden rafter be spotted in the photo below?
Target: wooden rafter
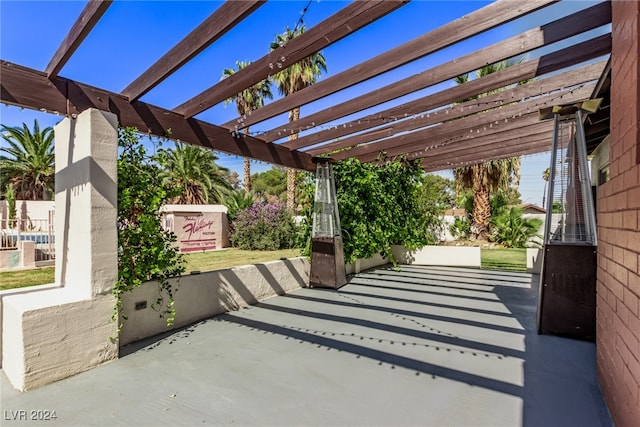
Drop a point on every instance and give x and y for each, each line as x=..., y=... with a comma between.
x=484, y=19
x=228, y=15
x=88, y=18
x=528, y=70
x=519, y=129
x=29, y=88
x=577, y=23
x=533, y=89
x=336, y=27
x=533, y=144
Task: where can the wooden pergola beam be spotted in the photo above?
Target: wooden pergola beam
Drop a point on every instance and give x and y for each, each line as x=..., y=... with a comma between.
x=528, y=70
x=439, y=137
x=519, y=135
x=350, y=19
x=535, y=88
x=484, y=19
x=88, y=18
x=32, y=89
x=467, y=127
x=577, y=23
x=512, y=148
x=223, y=19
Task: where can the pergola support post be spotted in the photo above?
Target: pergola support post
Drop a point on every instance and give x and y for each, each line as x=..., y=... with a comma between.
x=52, y=334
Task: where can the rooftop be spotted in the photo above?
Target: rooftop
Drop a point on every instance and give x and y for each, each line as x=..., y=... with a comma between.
x=418, y=346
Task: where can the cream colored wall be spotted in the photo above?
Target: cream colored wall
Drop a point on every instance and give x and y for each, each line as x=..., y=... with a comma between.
x=51, y=334
x=454, y=256
x=200, y=296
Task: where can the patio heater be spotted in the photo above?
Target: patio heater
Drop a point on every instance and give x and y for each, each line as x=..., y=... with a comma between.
x=327, y=257
x=567, y=299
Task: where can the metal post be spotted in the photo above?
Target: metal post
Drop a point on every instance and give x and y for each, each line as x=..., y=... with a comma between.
x=552, y=175
x=585, y=181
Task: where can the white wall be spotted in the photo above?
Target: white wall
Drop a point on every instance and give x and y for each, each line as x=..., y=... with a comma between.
x=203, y=295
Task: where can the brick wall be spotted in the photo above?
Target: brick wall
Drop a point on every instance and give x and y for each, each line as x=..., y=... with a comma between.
x=618, y=315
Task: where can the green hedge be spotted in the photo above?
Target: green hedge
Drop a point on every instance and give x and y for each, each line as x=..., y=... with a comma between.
x=380, y=206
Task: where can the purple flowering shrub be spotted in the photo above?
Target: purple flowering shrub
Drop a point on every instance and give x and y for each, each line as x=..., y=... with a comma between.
x=264, y=227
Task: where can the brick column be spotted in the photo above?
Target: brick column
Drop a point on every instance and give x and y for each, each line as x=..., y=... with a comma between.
x=618, y=312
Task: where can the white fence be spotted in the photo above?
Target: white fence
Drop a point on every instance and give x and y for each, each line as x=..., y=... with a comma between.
x=38, y=231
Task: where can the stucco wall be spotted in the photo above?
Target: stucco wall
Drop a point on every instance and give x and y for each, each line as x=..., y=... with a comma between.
x=459, y=256
x=618, y=298
x=200, y=296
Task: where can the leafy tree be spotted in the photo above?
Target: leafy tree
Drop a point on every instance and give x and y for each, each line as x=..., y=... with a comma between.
x=146, y=251
x=195, y=172
x=437, y=192
x=483, y=178
x=231, y=178
x=248, y=100
x=30, y=161
x=290, y=80
x=272, y=182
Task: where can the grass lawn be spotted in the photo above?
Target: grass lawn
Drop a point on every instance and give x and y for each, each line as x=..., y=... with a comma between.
x=494, y=259
x=200, y=261
x=22, y=278
x=231, y=257
x=504, y=259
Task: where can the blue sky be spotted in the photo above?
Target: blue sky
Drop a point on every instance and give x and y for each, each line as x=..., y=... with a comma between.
x=132, y=35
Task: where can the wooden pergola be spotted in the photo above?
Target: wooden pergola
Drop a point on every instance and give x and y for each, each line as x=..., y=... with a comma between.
x=439, y=129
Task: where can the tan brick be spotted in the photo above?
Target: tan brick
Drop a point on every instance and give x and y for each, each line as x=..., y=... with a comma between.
x=630, y=340
x=630, y=260
x=634, y=326
x=631, y=302
x=634, y=283
x=633, y=198
x=622, y=312
x=616, y=288
x=634, y=368
x=630, y=219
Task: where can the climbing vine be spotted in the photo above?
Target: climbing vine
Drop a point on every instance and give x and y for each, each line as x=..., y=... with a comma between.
x=146, y=251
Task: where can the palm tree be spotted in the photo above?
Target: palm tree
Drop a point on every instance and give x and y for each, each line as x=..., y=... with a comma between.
x=292, y=79
x=484, y=178
x=30, y=164
x=195, y=171
x=248, y=100
x=545, y=176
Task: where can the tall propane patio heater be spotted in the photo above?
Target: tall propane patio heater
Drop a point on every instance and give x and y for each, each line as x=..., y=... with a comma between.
x=327, y=257
x=567, y=299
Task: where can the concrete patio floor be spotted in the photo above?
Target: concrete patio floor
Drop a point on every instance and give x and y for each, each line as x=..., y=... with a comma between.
x=424, y=346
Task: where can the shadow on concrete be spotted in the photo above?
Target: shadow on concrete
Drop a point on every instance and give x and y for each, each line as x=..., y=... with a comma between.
x=392, y=359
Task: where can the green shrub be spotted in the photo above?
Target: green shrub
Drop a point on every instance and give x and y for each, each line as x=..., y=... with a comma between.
x=264, y=227
x=146, y=251
x=512, y=230
x=461, y=227
x=236, y=201
x=380, y=206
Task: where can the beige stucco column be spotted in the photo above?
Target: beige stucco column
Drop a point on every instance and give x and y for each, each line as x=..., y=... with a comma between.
x=52, y=334
x=86, y=202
